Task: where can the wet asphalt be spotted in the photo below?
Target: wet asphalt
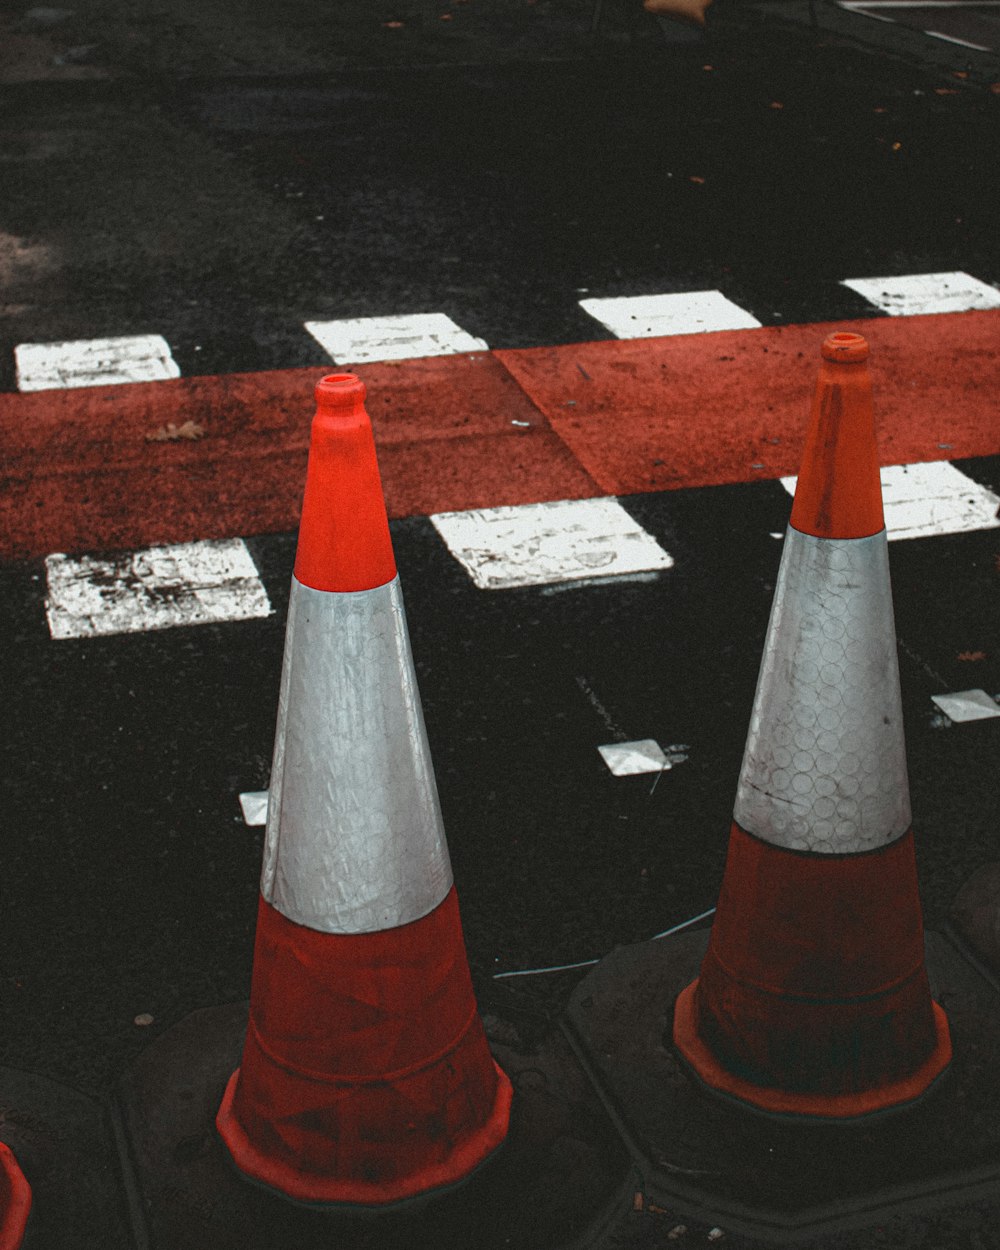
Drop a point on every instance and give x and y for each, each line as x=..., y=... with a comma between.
x=222, y=190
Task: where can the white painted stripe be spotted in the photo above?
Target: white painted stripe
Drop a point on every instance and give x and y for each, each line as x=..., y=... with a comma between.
x=254, y=805
x=967, y=705
x=648, y=316
x=921, y=500
x=160, y=588
x=94, y=362
x=863, y=10
x=962, y=43
x=360, y=339
x=539, y=544
x=917, y=4
x=920, y=293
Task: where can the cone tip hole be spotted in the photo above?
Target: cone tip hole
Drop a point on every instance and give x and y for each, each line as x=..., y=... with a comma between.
x=845, y=346
x=339, y=388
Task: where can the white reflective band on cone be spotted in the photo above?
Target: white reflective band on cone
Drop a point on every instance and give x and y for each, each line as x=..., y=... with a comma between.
x=355, y=841
x=825, y=765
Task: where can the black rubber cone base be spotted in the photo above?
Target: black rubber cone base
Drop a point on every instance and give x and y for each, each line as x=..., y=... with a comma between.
x=63, y=1144
x=975, y=918
x=561, y=1179
x=777, y=1178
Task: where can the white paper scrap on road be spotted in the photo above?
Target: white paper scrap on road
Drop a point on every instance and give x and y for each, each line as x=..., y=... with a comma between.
x=914, y=294
x=648, y=316
x=94, y=362
x=254, y=805
x=541, y=544
x=159, y=588
x=628, y=759
x=921, y=500
x=358, y=340
x=967, y=705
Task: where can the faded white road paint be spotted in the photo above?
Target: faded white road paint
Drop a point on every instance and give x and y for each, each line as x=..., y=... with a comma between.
x=94, y=362
x=962, y=43
x=159, y=588
x=912, y=4
x=360, y=339
x=920, y=293
x=921, y=500
x=540, y=544
x=648, y=316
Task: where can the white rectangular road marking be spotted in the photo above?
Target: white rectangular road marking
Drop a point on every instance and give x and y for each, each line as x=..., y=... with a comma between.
x=159, y=588
x=541, y=544
x=913, y=294
x=360, y=339
x=921, y=500
x=967, y=705
x=648, y=316
x=94, y=362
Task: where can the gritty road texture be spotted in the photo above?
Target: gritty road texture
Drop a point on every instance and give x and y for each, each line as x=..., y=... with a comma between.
x=220, y=177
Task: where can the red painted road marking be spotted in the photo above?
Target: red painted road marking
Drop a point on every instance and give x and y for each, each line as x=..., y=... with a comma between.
x=80, y=471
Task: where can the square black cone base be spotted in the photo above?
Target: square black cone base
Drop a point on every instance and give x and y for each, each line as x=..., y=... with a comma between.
x=561, y=1179
x=773, y=1178
x=975, y=919
x=63, y=1144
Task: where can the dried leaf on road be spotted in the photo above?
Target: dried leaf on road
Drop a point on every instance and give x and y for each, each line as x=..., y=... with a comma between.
x=171, y=433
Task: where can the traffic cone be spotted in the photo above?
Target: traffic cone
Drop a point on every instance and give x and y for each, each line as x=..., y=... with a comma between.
x=15, y=1200
x=813, y=998
x=366, y=1076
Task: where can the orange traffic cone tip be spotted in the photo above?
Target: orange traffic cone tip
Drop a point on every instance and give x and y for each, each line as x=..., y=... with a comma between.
x=344, y=541
x=366, y=1076
x=15, y=1200
x=813, y=997
x=839, y=492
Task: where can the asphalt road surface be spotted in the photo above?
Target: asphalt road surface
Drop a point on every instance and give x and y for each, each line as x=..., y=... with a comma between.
x=221, y=184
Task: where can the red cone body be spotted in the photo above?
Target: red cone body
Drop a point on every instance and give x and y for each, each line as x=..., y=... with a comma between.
x=15, y=1201
x=366, y=1076
x=813, y=997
